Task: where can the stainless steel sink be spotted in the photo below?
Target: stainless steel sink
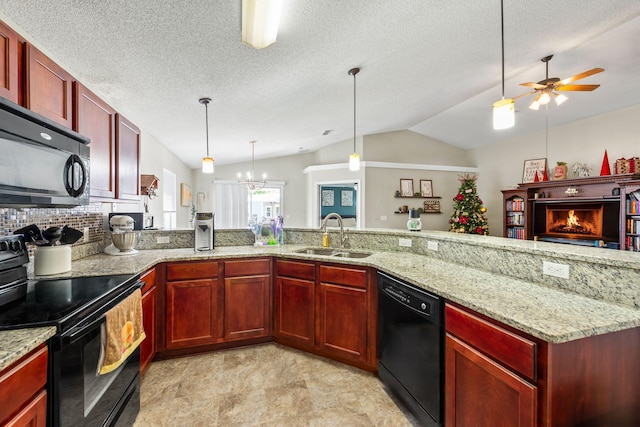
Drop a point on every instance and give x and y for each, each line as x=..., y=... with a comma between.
x=341, y=253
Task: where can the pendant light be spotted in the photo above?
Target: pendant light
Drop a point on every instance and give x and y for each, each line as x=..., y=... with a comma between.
x=251, y=182
x=503, y=110
x=354, y=158
x=207, y=162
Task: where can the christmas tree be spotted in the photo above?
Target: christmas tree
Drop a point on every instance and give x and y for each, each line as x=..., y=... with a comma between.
x=468, y=213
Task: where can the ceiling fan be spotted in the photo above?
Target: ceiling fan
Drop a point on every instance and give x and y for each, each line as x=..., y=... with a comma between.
x=545, y=89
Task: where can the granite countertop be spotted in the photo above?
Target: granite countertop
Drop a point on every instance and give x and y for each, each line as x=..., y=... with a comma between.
x=552, y=315
x=17, y=342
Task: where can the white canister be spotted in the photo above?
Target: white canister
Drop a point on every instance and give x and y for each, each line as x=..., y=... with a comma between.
x=52, y=260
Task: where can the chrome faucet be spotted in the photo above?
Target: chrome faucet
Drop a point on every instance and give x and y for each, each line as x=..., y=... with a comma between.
x=323, y=227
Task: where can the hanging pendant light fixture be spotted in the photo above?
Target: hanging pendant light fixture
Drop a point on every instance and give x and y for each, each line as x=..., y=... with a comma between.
x=503, y=110
x=251, y=182
x=354, y=158
x=207, y=162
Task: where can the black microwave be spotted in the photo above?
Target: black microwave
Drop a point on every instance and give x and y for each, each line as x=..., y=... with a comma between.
x=42, y=164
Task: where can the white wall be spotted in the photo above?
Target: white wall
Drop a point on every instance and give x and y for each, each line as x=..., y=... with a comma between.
x=583, y=141
x=154, y=156
x=407, y=147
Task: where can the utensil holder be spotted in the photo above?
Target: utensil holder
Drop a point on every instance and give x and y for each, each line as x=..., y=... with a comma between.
x=49, y=260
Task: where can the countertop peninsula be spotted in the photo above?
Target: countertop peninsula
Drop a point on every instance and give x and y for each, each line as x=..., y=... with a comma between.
x=553, y=315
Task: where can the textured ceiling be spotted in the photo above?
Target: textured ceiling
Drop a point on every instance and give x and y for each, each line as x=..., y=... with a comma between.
x=426, y=65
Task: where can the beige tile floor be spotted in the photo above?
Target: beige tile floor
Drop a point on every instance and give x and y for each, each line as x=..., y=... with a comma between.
x=264, y=385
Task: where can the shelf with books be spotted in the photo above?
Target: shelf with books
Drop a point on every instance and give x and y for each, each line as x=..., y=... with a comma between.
x=631, y=223
x=515, y=214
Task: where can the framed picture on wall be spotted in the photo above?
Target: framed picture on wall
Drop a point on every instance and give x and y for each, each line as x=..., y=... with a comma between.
x=426, y=188
x=531, y=167
x=327, y=198
x=185, y=195
x=406, y=187
x=346, y=197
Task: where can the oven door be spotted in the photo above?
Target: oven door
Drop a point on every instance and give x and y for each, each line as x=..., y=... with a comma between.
x=82, y=397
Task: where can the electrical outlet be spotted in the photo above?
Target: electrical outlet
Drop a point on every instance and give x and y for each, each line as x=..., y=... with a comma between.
x=432, y=246
x=383, y=218
x=555, y=269
x=405, y=242
x=162, y=239
x=85, y=234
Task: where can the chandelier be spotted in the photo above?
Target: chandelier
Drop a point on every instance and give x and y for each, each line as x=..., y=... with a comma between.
x=251, y=182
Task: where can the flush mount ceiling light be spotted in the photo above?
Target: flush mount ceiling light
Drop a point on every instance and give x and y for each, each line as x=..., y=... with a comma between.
x=207, y=162
x=251, y=182
x=260, y=21
x=354, y=158
x=503, y=110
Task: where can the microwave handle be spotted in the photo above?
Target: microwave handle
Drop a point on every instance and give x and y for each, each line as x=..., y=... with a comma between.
x=75, y=189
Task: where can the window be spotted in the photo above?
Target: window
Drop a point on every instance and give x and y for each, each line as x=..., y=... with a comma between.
x=169, y=192
x=235, y=204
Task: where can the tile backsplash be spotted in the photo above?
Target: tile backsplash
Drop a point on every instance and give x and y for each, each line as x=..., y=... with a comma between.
x=90, y=216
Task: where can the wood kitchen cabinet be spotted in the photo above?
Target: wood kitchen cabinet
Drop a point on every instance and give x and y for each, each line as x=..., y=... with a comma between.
x=498, y=376
x=295, y=303
x=10, y=66
x=23, y=399
x=96, y=120
x=128, y=159
x=149, y=318
x=344, y=313
x=247, y=299
x=327, y=309
x=48, y=87
x=481, y=386
x=193, y=298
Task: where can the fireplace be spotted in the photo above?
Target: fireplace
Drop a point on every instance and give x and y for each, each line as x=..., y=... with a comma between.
x=577, y=222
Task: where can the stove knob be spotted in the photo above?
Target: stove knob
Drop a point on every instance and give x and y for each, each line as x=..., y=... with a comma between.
x=423, y=306
x=14, y=245
x=4, y=246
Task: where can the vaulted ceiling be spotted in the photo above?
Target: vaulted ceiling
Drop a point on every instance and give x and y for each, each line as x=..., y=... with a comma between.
x=430, y=66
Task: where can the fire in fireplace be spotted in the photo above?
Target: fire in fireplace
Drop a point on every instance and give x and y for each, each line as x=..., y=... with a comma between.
x=582, y=223
x=585, y=222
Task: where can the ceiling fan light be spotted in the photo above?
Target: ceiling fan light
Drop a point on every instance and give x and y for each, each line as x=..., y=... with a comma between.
x=535, y=105
x=504, y=113
x=260, y=21
x=207, y=165
x=560, y=98
x=354, y=162
x=544, y=99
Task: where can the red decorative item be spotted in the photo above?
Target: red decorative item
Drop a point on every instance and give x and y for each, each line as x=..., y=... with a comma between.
x=545, y=177
x=604, y=170
x=535, y=177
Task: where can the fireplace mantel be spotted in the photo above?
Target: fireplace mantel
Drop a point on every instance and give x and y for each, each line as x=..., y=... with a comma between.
x=593, y=186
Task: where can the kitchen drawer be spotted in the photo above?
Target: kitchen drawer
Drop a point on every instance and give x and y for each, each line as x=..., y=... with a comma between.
x=297, y=270
x=192, y=270
x=22, y=380
x=149, y=279
x=343, y=276
x=511, y=350
x=247, y=267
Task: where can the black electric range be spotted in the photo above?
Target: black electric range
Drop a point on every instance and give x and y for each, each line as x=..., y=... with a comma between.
x=60, y=302
x=77, y=307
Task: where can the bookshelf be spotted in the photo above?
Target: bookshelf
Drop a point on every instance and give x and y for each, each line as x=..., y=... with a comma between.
x=515, y=214
x=630, y=216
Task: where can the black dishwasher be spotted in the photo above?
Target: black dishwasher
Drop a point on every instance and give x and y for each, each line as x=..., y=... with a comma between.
x=411, y=347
